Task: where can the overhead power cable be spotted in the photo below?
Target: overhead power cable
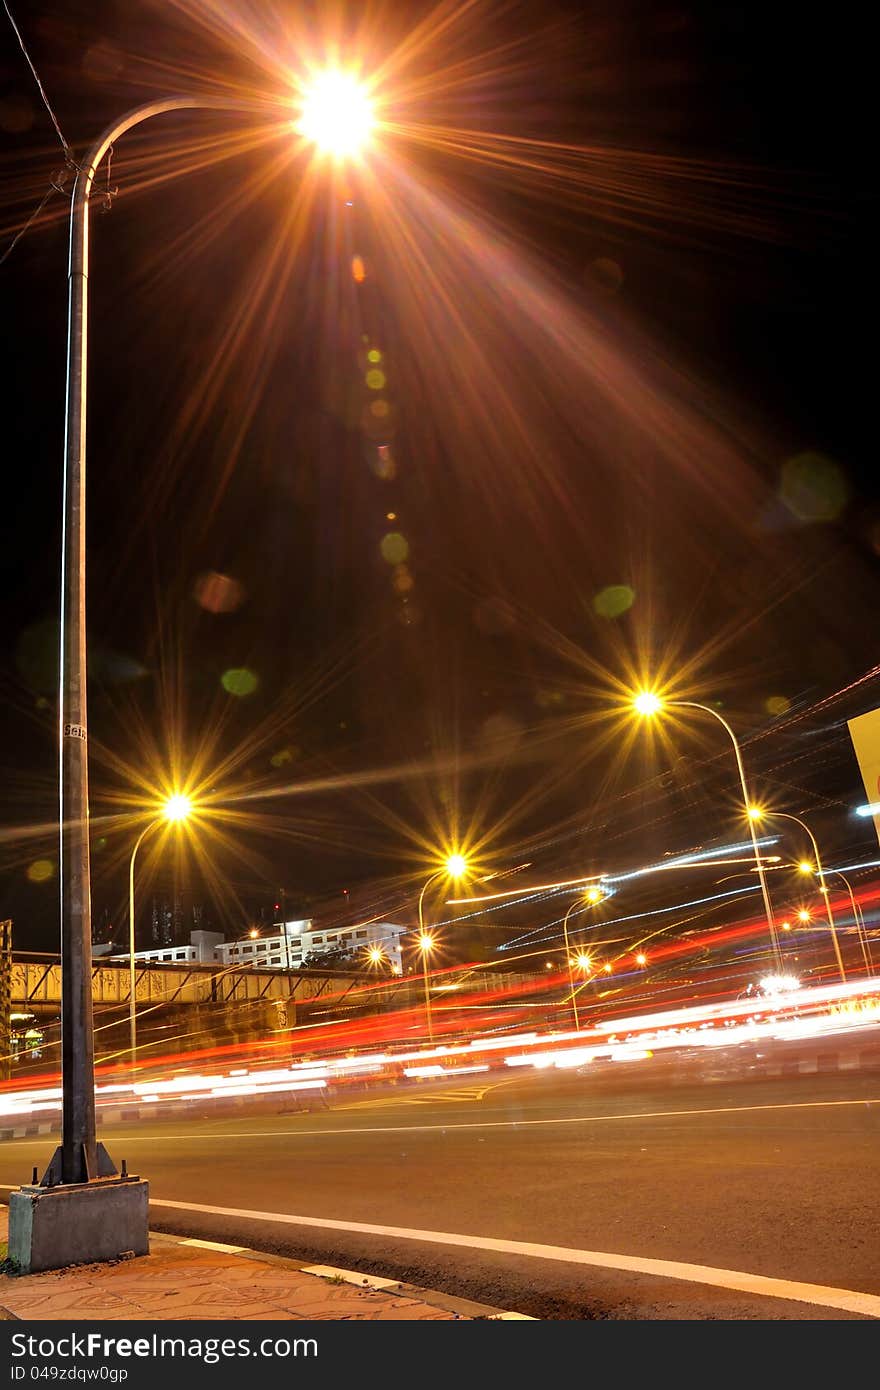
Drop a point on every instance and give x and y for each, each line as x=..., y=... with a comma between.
x=68, y=155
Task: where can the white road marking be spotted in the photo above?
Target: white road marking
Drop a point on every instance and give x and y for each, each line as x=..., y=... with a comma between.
x=224, y=1136
x=351, y=1276
x=846, y=1300
x=824, y=1295
x=214, y=1245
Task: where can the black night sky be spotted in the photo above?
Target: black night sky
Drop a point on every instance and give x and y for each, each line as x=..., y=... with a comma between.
x=615, y=261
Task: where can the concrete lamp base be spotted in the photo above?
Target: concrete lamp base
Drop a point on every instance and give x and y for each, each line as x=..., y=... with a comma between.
x=78, y=1223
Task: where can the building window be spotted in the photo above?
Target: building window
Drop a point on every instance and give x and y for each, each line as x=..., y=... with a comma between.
x=274, y=960
x=361, y=935
x=319, y=940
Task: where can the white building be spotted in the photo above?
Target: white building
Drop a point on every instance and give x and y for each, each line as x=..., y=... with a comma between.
x=290, y=945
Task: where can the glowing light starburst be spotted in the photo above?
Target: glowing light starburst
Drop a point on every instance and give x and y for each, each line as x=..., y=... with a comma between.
x=337, y=114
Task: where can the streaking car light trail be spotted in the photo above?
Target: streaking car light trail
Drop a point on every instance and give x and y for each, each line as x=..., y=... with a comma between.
x=793, y=1013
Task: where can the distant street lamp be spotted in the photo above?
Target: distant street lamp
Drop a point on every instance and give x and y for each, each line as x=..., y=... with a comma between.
x=648, y=704
x=590, y=896
x=176, y=809
x=454, y=867
x=859, y=921
x=426, y=945
x=757, y=813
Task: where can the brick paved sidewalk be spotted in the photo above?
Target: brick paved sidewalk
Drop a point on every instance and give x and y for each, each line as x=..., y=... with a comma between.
x=188, y=1280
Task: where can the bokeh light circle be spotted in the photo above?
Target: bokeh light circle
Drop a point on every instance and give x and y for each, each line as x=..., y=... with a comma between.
x=614, y=600
x=41, y=871
x=394, y=548
x=813, y=487
x=239, y=681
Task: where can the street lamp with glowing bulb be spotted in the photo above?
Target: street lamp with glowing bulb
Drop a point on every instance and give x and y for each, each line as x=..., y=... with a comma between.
x=648, y=704
x=175, y=810
x=455, y=866
x=591, y=895
x=80, y=1159
x=337, y=114
x=805, y=867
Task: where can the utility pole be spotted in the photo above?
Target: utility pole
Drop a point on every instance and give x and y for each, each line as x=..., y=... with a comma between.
x=5, y=999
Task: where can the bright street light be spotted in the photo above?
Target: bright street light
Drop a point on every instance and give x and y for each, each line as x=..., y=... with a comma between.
x=177, y=807
x=79, y=1158
x=757, y=813
x=455, y=866
x=337, y=114
x=648, y=704
x=591, y=895
x=175, y=810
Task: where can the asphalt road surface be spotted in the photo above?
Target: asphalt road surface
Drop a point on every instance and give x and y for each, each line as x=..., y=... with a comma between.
x=771, y=1179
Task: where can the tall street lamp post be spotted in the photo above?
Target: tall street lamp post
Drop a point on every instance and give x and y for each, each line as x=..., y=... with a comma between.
x=859, y=921
x=175, y=810
x=590, y=897
x=648, y=704
x=757, y=813
x=80, y=1161
x=454, y=867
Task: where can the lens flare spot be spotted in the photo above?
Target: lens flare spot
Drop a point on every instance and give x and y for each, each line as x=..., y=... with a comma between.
x=384, y=465
x=394, y=548
x=614, y=600
x=284, y=756
x=375, y=379
x=777, y=705
x=41, y=870
x=380, y=409
x=374, y=356
x=218, y=593
x=238, y=680
x=813, y=487
x=358, y=269
x=403, y=581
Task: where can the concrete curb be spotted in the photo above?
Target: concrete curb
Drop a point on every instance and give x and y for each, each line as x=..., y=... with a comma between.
x=448, y=1303
x=460, y=1307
